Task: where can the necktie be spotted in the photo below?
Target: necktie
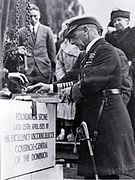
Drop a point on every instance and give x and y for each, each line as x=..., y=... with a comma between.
x=34, y=33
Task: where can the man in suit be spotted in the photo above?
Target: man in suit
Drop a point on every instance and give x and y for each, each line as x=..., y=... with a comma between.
x=96, y=82
x=41, y=47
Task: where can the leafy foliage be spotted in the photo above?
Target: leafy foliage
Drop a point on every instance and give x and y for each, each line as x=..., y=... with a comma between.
x=53, y=13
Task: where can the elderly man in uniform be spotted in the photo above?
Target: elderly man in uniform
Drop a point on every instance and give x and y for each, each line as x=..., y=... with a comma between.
x=95, y=79
x=123, y=38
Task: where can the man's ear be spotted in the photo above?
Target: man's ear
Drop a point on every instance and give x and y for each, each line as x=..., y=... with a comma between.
x=85, y=28
x=127, y=21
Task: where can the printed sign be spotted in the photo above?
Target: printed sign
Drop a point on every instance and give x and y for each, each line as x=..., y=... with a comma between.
x=27, y=141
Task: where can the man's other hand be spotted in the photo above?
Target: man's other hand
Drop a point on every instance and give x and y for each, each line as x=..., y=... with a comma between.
x=19, y=76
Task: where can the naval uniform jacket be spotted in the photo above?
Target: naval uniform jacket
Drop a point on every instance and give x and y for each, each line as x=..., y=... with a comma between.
x=42, y=53
x=114, y=149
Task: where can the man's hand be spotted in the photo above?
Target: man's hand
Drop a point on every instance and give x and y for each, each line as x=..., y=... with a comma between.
x=64, y=94
x=39, y=88
x=23, y=51
x=19, y=76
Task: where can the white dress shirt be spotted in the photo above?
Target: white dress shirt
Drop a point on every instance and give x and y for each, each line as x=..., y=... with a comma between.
x=35, y=27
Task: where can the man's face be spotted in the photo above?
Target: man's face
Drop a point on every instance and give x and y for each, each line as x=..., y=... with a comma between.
x=34, y=16
x=78, y=38
x=120, y=23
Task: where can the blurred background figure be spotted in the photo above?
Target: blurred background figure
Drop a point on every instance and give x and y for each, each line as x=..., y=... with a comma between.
x=65, y=59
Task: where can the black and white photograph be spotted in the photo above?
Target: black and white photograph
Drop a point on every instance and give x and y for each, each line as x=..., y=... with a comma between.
x=67, y=89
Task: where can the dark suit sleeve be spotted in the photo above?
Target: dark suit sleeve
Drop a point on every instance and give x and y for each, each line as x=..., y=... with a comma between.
x=51, y=46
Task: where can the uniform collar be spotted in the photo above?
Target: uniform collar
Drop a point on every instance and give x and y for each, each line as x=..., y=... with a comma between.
x=92, y=43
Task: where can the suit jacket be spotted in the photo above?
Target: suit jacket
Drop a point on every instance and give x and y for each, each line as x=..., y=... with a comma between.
x=42, y=52
x=114, y=149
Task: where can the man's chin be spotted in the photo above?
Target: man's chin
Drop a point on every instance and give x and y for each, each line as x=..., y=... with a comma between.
x=33, y=24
